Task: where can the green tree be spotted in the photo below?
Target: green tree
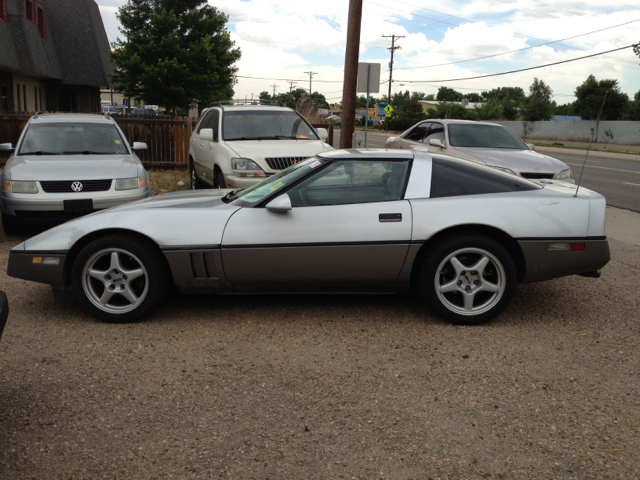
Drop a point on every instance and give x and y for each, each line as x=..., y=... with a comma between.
x=538, y=105
x=473, y=97
x=634, y=107
x=265, y=96
x=510, y=108
x=406, y=115
x=501, y=93
x=491, y=110
x=566, y=109
x=446, y=94
x=174, y=51
x=450, y=110
x=590, y=95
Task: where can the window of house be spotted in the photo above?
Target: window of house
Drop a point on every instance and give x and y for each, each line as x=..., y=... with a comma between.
x=28, y=10
x=4, y=15
x=42, y=24
x=40, y=97
x=19, y=109
x=4, y=99
x=24, y=97
x=35, y=97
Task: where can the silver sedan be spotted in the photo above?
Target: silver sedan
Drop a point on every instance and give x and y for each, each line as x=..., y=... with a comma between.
x=486, y=143
x=67, y=165
x=346, y=221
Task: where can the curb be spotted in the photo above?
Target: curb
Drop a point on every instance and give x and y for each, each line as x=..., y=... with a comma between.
x=599, y=153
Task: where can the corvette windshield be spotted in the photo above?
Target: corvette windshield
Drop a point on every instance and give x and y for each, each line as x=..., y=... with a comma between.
x=266, y=125
x=72, y=139
x=484, y=136
x=277, y=182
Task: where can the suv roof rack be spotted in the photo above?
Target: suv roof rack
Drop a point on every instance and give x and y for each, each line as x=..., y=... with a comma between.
x=244, y=101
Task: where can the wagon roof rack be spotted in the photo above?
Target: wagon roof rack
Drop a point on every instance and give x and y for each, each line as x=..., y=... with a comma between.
x=243, y=101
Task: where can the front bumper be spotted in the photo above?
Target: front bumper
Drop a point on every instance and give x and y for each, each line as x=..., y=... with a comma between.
x=234, y=181
x=43, y=209
x=46, y=270
x=544, y=261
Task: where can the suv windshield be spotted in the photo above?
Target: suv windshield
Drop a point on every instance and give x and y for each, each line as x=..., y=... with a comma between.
x=72, y=139
x=266, y=125
x=484, y=136
x=289, y=176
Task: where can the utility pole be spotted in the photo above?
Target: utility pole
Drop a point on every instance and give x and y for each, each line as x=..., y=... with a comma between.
x=350, y=83
x=311, y=74
x=392, y=49
x=274, y=90
x=291, y=84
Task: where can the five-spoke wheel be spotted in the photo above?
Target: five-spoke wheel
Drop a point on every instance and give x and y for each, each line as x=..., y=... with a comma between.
x=119, y=278
x=469, y=279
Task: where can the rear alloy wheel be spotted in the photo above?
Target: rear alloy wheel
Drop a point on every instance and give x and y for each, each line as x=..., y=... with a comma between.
x=119, y=278
x=219, y=182
x=196, y=183
x=468, y=280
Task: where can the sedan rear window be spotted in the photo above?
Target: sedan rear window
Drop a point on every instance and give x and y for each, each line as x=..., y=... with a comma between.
x=484, y=136
x=266, y=125
x=72, y=139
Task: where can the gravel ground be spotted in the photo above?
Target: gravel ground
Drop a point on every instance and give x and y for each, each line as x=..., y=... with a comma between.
x=326, y=387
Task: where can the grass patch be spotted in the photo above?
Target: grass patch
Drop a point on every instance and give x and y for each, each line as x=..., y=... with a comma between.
x=164, y=181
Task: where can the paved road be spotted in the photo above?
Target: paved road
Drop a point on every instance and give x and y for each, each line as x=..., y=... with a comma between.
x=617, y=179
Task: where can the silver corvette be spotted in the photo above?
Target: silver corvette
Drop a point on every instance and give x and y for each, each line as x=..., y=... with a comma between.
x=461, y=234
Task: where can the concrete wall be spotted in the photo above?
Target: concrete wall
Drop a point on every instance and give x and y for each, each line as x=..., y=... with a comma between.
x=35, y=90
x=578, y=131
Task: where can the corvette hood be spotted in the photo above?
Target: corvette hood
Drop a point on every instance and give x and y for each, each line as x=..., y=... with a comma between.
x=72, y=167
x=261, y=149
x=172, y=220
x=517, y=160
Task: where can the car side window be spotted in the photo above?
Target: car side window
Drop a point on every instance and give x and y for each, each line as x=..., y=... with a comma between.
x=213, y=121
x=202, y=122
x=351, y=182
x=436, y=131
x=419, y=132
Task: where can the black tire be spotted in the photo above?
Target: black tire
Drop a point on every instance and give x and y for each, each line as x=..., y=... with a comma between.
x=196, y=183
x=458, y=292
x=9, y=225
x=218, y=181
x=131, y=297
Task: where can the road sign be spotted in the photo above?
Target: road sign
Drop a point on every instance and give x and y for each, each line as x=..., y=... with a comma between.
x=368, y=77
x=372, y=112
x=388, y=109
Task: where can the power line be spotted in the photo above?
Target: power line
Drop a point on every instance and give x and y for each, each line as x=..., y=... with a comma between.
x=515, y=71
x=520, y=49
x=311, y=74
x=286, y=80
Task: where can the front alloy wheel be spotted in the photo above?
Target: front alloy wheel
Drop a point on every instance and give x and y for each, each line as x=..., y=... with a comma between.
x=120, y=278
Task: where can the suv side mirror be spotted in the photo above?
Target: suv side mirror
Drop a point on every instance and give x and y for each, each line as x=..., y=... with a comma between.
x=281, y=204
x=436, y=142
x=322, y=133
x=531, y=146
x=139, y=146
x=206, y=134
x=6, y=147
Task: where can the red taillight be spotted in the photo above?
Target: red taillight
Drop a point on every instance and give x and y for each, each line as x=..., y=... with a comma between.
x=577, y=246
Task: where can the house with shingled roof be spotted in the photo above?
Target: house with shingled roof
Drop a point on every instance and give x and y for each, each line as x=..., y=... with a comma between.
x=54, y=56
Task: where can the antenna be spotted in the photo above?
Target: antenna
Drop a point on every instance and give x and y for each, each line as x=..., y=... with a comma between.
x=590, y=142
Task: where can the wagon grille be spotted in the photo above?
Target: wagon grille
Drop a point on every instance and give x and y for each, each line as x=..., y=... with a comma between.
x=64, y=186
x=280, y=163
x=537, y=175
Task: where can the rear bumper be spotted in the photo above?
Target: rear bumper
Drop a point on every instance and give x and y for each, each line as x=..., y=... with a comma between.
x=545, y=260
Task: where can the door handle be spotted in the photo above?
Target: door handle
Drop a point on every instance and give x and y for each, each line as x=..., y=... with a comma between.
x=390, y=217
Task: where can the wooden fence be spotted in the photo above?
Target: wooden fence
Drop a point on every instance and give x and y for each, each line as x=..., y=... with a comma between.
x=167, y=137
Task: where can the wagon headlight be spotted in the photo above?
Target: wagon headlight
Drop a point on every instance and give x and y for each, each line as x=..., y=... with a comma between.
x=245, y=167
x=16, y=186
x=130, y=183
x=506, y=170
x=563, y=175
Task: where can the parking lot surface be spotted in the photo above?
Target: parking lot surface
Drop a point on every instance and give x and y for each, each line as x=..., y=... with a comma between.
x=304, y=386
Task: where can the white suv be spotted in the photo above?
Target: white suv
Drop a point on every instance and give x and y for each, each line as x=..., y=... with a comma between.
x=236, y=146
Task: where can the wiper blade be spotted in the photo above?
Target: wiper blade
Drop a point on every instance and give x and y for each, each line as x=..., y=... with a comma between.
x=227, y=197
x=241, y=138
x=88, y=152
x=39, y=152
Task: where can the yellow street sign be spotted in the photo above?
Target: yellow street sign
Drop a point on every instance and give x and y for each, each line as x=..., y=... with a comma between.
x=388, y=109
x=371, y=112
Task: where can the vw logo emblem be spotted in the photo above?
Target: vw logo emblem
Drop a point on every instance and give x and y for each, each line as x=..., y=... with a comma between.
x=76, y=187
